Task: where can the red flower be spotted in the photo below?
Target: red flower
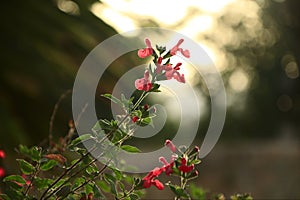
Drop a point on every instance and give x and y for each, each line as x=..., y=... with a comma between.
x=135, y=119
x=170, y=145
x=2, y=154
x=143, y=83
x=176, y=48
x=167, y=166
x=149, y=179
x=143, y=53
x=2, y=172
x=146, y=107
x=184, y=168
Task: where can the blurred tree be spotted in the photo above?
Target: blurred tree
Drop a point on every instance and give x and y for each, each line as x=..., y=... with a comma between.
x=42, y=45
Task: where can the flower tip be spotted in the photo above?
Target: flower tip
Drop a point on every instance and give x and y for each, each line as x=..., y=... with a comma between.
x=148, y=43
x=170, y=145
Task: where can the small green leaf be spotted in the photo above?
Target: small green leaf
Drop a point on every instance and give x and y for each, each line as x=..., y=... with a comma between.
x=130, y=149
x=109, y=177
x=92, y=169
x=103, y=185
x=81, y=139
x=178, y=191
x=35, y=153
x=196, y=161
x=42, y=183
x=112, y=98
x=24, y=150
x=78, y=181
x=25, y=166
x=88, y=188
x=15, y=178
x=145, y=121
x=118, y=174
x=48, y=165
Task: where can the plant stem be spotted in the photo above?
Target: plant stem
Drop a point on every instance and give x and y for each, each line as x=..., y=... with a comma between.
x=86, y=182
x=37, y=169
x=141, y=98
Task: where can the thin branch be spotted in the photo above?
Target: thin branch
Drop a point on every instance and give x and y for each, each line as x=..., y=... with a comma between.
x=56, y=106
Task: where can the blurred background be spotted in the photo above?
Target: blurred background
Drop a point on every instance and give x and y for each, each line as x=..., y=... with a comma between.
x=255, y=45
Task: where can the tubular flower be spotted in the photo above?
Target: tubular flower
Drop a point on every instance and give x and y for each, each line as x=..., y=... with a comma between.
x=143, y=83
x=170, y=145
x=149, y=179
x=143, y=53
x=185, y=53
x=184, y=168
x=173, y=73
x=167, y=166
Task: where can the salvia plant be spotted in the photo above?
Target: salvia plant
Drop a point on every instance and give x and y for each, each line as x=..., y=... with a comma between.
x=67, y=170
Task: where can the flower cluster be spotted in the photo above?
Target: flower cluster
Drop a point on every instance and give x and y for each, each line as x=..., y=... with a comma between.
x=162, y=69
x=2, y=171
x=180, y=165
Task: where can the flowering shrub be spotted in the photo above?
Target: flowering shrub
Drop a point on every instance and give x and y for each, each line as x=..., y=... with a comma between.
x=66, y=170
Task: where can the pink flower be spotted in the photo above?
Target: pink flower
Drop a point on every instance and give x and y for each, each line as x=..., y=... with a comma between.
x=143, y=83
x=2, y=154
x=176, y=48
x=170, y=145
x=2, y=172
x=173, y=73
x=143, y=53
x=179, y=77
x=184, y=168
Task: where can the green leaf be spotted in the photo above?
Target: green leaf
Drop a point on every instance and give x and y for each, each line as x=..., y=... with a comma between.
x=25, y=166
x=78, y=181
x=130, y=149
x=178, y=191
x=109, y=177
x=92, y=169
x=42, y=183
x=35, y=153
x=196, y=162
x=97, y=192
x=155, y=88
x=118, y=174
x=48, y=165
x=103, y=185
x=112, y=98
x=15, y=178
x=89, y=188
x=145, y=121
x=81, y=139
x=24, y=150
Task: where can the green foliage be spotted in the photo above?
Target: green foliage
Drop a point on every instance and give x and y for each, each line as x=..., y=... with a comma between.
x=25, y=167
x=48, y=165
x=130, y=149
